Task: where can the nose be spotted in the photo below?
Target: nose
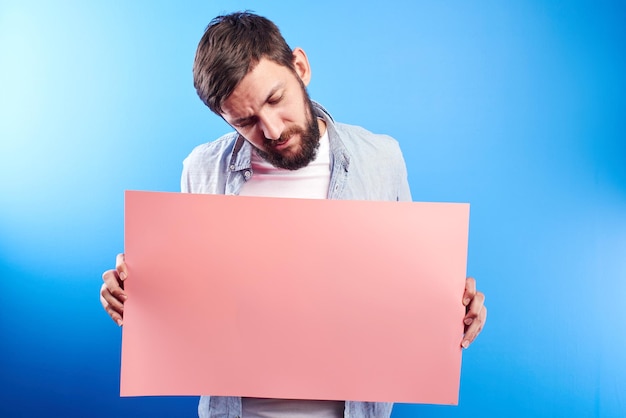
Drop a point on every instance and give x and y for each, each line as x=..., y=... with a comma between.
x=272, y=125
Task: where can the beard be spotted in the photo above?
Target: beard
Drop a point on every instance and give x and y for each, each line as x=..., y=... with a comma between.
x=309, y=143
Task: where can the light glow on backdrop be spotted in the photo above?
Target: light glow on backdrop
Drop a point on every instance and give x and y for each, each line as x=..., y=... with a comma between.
x=517, y=108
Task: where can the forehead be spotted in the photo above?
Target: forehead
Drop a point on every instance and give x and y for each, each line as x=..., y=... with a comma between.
x=256, y=87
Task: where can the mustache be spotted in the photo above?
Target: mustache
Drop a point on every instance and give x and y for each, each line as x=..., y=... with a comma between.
x=284, y=136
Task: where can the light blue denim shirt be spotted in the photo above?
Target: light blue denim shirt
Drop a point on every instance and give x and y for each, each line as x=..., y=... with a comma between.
x=364, y=166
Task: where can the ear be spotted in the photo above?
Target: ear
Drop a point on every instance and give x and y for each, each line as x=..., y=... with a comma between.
x=301, y=64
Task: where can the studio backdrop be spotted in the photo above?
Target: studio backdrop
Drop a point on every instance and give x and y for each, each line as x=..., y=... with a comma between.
x=514, y=107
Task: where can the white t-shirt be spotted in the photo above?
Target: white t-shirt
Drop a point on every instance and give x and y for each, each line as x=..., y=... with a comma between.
x=310, y=182
x=290, y=408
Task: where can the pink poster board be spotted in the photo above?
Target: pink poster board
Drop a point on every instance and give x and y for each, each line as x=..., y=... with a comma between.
x=293, y=298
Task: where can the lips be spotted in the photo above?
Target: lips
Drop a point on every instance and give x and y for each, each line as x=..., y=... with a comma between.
x=285, y=140
x=281, y=143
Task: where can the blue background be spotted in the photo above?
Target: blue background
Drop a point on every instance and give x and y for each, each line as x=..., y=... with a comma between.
x=516, y=107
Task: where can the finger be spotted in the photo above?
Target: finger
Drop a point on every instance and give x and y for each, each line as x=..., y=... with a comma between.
x=110, y=300
x=111, y=305
x=475, y=328
x=113, y=283
x=470, y=290
x=120, y=266
x=475, y=307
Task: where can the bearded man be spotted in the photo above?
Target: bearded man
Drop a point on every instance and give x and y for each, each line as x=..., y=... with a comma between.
x=284, y=145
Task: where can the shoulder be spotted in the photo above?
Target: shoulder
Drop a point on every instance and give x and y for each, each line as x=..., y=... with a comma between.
x=205, y=169
x=359, y=140
x=353, y=136
x=212, y=152
x=377, y=167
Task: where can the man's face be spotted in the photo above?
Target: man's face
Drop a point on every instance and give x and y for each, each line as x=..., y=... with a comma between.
x=271, y=109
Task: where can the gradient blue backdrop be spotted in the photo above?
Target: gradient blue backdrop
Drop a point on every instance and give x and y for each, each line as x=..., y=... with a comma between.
x=516, y=107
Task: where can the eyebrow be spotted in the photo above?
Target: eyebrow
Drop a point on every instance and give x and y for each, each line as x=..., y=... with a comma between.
x=247, y=119
x=243, y=121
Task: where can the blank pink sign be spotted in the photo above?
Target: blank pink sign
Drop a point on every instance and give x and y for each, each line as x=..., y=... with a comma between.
x=293, y=298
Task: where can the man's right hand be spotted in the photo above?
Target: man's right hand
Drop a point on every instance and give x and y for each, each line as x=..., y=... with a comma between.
x=112, y=294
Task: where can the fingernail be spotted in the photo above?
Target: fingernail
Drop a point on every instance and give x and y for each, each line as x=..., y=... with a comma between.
x=119, y=322
x=468, y=321
x=466, y=301
x=465, y=344
x=123, y=276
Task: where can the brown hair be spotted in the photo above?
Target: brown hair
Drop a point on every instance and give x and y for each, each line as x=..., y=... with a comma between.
x=231, y=46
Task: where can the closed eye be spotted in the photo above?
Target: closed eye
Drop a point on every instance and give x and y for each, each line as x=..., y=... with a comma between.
x=274, y=100
x=244, y=123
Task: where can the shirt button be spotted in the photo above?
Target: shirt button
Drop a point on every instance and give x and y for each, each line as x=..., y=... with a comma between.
x=247, y=174
x=232, y=167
